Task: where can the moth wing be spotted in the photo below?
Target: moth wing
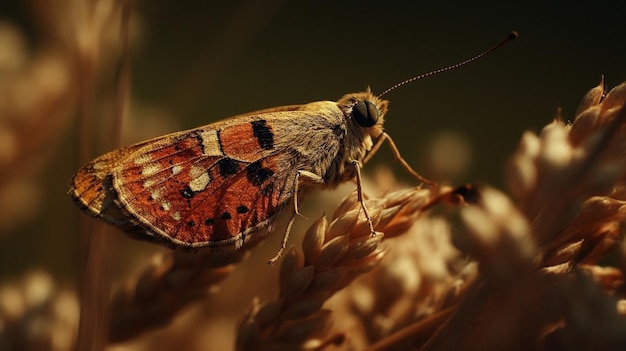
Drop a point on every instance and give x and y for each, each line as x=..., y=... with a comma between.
x=186, y=189
x=213, y=186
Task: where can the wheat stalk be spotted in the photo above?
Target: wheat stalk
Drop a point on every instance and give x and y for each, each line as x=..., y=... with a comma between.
x=539, y=285
x=172, y=282
x=333, y=255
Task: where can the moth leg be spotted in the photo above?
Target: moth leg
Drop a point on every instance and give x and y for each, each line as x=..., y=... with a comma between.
x=284, y=243
x=304, y=176
x=307, y=177
x=359, y=192
x=396, y=154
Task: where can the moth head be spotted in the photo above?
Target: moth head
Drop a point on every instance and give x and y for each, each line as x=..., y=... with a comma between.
x=365, y=113
x=365, y=110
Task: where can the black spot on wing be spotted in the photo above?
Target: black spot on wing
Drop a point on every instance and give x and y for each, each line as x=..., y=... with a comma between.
x=209, y=221
x=242, y=209
x=263, y=133
x=187, y=193
x=227, y=166
x=257, y=175
x=225, y=215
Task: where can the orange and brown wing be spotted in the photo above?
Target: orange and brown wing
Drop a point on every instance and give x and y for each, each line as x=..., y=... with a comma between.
x=204, y=187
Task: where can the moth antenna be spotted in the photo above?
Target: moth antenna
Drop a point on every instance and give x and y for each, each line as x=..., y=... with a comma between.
x=505, y=41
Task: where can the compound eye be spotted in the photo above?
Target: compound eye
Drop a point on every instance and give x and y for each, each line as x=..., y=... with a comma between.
x=365, y=113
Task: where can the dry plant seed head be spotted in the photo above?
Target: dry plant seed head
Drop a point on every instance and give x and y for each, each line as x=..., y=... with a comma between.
x=498, y=237
x=564, y=165
x=172, y=282
x=333, y=255
x=37, y=314
x=539, y=286
x=419, y=277
x=36, y=91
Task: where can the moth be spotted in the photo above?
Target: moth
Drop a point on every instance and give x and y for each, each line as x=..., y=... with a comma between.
x=214, y=188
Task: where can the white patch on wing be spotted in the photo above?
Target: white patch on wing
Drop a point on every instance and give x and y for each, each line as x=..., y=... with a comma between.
x=176, y=170
x=200, y=183
x=211, y=143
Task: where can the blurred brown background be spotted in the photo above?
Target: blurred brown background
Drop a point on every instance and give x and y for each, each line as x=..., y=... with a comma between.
x=196, y=62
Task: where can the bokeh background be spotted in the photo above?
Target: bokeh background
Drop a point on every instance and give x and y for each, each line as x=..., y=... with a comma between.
x=193, y=63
